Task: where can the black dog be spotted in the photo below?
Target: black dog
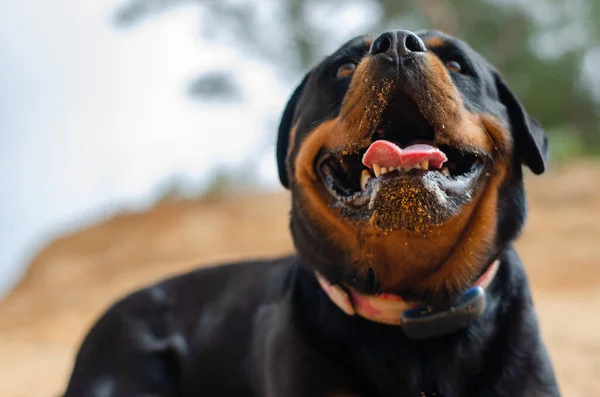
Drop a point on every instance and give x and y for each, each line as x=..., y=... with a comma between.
x=403, y=156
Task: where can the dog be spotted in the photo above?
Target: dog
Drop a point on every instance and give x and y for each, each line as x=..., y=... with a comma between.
x=403, y=154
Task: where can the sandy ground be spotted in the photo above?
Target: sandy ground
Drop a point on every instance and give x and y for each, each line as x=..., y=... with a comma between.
x=75, y=278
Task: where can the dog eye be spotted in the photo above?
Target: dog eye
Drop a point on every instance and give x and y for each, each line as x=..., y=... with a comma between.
x=345, y=70
x=453, y=66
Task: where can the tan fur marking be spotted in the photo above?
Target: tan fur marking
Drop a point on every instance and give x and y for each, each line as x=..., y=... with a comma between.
x=292, y=138
x=362, y=107
x=316, y=198
x=434, y=42
x=472, y=231
x=349, y=132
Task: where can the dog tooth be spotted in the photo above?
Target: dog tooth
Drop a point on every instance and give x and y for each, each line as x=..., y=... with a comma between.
x=425, y=164
x=445, y=171
x=377, y=169
x=417, y=166
x=384, y=170
x=364, y=178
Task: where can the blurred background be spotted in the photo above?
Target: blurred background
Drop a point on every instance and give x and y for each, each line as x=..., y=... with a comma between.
x=137, y=141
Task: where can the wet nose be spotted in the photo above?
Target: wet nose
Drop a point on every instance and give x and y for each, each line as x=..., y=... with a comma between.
x=397, y=44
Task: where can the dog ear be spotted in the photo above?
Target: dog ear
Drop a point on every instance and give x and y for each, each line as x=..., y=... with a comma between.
x=285, y=126
x=530, y=139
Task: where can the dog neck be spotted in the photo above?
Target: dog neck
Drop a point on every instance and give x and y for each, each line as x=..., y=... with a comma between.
x=419, y=320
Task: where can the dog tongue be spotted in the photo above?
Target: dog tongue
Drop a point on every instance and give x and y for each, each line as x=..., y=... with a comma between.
x=388, y=154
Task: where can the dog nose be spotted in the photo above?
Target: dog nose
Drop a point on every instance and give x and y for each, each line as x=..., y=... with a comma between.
x=397, y=44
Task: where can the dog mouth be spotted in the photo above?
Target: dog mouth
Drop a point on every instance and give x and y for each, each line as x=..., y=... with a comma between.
x=402, y=171
x=350, y=178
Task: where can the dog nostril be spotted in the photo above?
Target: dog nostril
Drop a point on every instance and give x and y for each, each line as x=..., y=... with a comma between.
x=414, y=43
x=381, y=45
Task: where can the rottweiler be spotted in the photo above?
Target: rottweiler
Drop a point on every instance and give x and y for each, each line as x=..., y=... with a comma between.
x=403, y=154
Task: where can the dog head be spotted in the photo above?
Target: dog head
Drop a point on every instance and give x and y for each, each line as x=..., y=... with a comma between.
x=403, y=154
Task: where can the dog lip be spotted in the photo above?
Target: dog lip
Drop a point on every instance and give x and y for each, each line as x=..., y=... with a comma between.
x=448, y=185
x=461, y=183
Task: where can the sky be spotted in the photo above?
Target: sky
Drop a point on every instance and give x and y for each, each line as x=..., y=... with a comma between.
x=95, y=119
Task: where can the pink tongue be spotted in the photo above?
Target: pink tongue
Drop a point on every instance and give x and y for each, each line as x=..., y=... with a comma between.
x=388, y=154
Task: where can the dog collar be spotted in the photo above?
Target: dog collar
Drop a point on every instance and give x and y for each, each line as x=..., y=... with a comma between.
x=418, y=321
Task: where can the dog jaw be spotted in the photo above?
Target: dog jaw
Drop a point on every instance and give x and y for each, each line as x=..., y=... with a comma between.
x=429, y=254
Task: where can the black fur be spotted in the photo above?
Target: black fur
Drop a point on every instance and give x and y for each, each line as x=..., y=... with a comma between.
x=267, y=328
x=530, y=139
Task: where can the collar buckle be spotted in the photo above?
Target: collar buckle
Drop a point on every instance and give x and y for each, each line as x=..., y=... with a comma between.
x=426, y=322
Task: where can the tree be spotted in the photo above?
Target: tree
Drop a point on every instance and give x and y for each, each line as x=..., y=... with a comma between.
x=539, y=46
